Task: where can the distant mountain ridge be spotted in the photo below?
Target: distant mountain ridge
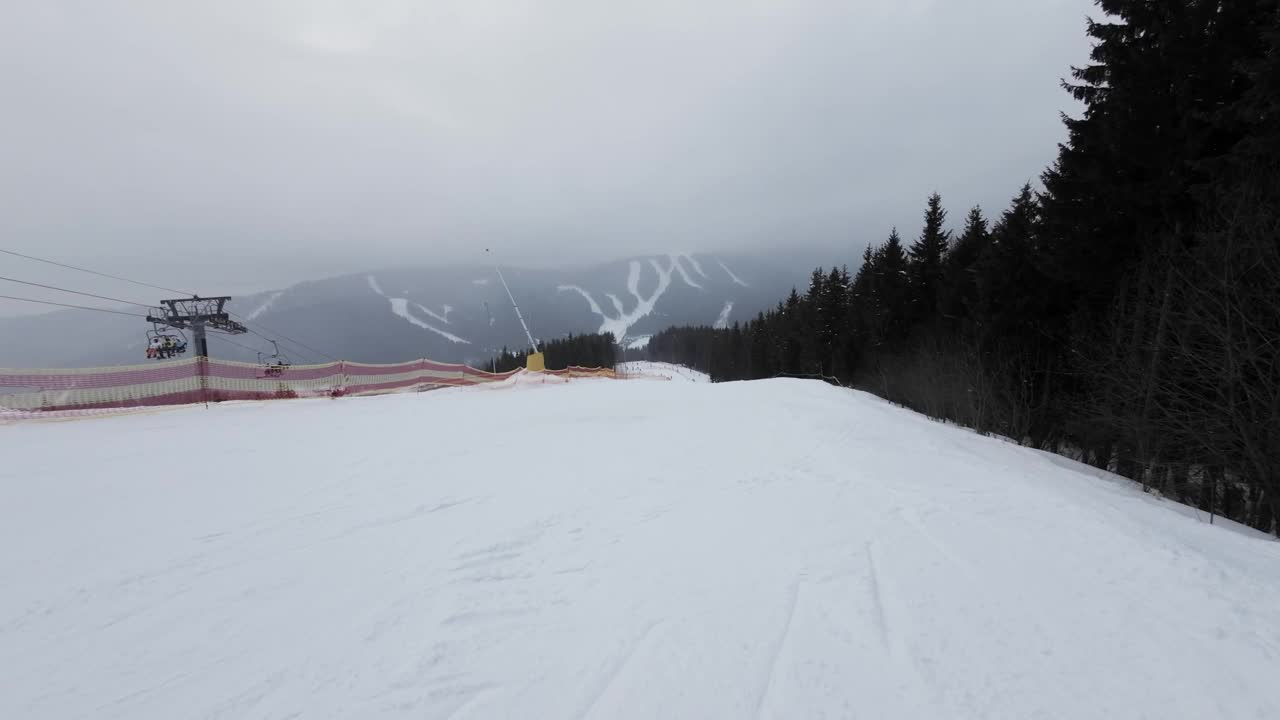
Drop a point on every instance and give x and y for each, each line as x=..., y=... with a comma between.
x=452, y=313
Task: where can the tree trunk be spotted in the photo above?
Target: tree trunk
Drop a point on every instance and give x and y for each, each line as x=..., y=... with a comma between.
x=1263, y=510
x=1232, y=500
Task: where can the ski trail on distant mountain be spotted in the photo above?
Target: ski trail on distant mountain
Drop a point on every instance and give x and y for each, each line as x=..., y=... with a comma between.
x=442, y=318
x=264, y=306
x=697, y=267
x=591, y=302
x=729, y=272
x=633, y=279
x=722, y=322
x=400, y=307
x=684, y=275
x=621, y=323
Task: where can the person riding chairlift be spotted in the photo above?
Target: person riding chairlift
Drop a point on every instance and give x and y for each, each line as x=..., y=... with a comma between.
x=162, y=348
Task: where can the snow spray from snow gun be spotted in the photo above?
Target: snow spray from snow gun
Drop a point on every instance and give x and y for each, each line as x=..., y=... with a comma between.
x=535, y=361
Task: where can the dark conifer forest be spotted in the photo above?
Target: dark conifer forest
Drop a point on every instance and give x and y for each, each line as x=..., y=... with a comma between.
x=595, y=350
x=1125, y=311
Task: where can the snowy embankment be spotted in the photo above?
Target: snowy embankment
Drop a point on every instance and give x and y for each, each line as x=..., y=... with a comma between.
x=774, y=549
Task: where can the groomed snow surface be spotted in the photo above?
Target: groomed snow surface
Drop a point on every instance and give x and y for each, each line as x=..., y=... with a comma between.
x=608, y=549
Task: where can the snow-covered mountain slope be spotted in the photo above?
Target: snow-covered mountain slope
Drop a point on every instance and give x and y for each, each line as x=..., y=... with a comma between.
x=772, y=549
x=448, y=313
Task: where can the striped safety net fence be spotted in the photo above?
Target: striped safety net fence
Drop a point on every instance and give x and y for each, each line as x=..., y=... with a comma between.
x=582, y=372
x=28, y=393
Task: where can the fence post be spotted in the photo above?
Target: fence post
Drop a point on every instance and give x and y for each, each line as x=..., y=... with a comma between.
x=202, y=379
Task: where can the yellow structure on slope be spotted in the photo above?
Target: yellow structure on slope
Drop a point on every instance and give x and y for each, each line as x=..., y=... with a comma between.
x=535, y=362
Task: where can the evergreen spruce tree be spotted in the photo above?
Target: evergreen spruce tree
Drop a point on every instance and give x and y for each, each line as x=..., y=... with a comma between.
x=861, y=286
x=1008, y=283
x=959, y=287
x=832, y=318
x=892, y=289
x=927, y=256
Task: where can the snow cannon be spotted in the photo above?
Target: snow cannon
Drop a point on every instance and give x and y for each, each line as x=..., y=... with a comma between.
x=535, y=362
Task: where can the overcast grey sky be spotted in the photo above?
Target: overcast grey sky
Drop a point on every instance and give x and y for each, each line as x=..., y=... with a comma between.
x=244, y=144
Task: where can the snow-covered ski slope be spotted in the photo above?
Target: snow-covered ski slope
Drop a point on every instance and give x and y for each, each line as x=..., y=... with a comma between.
x=662, y=371
x=608, y=549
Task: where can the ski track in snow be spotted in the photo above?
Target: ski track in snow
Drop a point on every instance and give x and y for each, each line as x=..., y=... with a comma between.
x=775, y=656
x=613, y=674
x=722, y=322
x=877, y=597
x=264, y=306
x=400, y=307
x=729, y=272
x=397, y=556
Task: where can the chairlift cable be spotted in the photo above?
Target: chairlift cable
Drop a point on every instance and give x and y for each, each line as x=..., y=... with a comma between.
x=95, y=272
x=73, y=292
x=225, y=338
x=282, y=336
x=76, y=307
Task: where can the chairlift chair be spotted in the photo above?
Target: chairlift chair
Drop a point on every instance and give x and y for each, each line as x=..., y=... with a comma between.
x=162, y=345
x=273, y=365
